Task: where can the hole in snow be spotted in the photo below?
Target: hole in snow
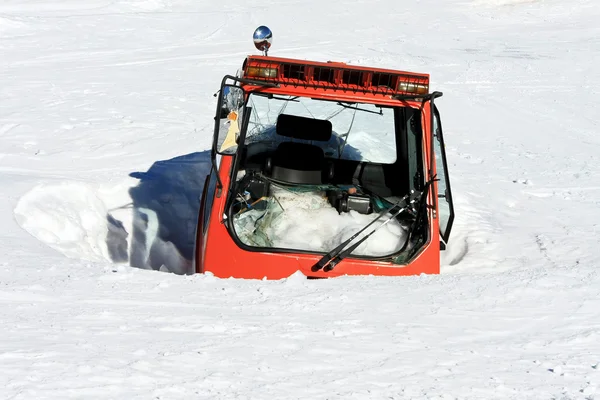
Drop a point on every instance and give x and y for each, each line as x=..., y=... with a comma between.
x=149, y=226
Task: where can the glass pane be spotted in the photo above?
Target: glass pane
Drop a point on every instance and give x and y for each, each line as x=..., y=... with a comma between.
x=445, y=209
x=230, y=119
x=441, y=173
x=360, y=132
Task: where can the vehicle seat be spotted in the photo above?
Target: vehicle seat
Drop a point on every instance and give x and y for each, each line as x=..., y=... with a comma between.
x=384, y=180
x=299, y=163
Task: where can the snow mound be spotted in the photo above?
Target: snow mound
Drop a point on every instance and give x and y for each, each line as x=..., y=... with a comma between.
x=308, y=222
x=146, y=220
x=311, y=222
x=82, y=222
x=69, y=217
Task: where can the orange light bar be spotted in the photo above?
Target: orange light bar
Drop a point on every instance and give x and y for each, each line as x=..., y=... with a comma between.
x=413, y=87
x=335, y=76
x=261, y=72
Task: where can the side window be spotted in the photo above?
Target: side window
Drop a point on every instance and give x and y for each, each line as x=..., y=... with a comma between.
x=445, y=205
x=229, y=119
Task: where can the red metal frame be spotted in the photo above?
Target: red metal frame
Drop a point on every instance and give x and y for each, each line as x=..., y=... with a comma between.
x=217, y=252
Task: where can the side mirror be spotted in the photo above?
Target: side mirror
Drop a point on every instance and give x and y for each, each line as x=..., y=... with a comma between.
x=229, y=117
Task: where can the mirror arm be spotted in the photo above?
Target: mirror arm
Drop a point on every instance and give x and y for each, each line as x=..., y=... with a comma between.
x=213, y=160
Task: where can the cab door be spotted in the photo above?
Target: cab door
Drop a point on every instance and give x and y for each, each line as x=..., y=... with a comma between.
x=444, y=194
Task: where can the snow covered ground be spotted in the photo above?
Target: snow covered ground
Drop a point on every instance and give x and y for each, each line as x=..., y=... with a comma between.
x=105, y=114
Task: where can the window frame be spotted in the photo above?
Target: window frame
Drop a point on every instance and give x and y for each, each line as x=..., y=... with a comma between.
x=438, y=136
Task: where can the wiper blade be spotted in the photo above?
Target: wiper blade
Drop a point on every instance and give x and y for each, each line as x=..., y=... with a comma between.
x=361, y=109
x=423, y=97
x=420, y=210
x=272, y=96
x=331, y=259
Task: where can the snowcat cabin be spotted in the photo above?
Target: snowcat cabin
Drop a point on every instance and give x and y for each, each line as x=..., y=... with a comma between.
x=324, y=168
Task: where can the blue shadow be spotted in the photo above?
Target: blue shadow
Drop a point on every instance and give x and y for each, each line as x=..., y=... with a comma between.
x=165, y=212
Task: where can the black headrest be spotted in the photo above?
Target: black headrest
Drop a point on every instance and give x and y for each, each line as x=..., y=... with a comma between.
x=300, y=156
x=303, y=128
x=300, y=163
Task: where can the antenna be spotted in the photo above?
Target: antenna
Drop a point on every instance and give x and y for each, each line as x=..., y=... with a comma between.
x=263, y=37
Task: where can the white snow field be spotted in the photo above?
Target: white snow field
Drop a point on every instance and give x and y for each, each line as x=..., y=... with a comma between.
x=106, y=113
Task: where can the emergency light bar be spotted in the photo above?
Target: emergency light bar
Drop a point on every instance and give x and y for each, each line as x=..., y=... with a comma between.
x=333, y=75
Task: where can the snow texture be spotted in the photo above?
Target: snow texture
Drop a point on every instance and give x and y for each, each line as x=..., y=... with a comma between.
x=106, y=113
x=307, y=221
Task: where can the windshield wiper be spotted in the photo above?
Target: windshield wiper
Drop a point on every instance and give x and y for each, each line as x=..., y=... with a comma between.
x=360, y=109
x=335, y=256
x=272, y=96
x=420, y=210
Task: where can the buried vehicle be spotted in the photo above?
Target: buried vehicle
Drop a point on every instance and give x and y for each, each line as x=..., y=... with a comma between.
x=325, y=168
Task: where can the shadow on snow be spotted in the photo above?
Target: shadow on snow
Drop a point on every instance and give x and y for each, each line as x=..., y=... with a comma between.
x=165, y=207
